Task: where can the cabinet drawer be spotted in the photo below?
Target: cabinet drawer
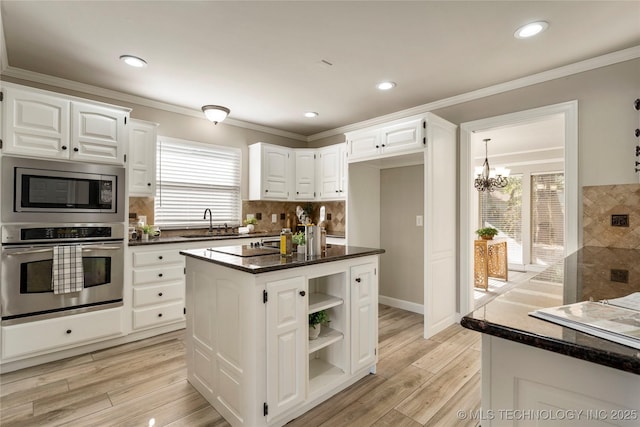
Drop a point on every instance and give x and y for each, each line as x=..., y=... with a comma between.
x=158, y=275
x=142, y=259
x=147, y=295
x=158, y=315
x=34, y=337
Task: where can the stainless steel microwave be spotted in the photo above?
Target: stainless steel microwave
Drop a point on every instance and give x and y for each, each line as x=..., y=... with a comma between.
x=55, y=191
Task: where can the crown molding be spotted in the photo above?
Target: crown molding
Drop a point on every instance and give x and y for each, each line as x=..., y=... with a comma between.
x=556, y=73
x=32, y=76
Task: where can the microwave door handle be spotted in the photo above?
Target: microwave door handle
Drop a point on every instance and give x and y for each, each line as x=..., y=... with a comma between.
x=28, y=251
x=101, y=248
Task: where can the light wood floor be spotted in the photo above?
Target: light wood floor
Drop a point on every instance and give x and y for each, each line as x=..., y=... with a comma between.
x=418, y=382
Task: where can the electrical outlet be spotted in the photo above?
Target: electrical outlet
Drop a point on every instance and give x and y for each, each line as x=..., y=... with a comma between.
x=274, y=218
x=419, y=220
x=620, y=220
x=250, y=216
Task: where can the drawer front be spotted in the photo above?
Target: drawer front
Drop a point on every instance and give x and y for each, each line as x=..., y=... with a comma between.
x=158, y=315
x=158, y=275
x=142, y=259
x=35, y=337
x=161, y=294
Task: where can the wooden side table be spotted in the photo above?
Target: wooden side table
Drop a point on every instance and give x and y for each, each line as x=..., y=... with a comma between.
x=489, y=260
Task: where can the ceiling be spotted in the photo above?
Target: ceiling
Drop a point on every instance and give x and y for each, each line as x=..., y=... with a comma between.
x=269, y=61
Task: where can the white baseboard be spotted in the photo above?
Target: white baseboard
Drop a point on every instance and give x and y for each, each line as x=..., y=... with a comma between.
x=402, y=304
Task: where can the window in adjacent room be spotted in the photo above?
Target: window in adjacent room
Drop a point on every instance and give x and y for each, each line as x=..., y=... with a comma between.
x=192, y=177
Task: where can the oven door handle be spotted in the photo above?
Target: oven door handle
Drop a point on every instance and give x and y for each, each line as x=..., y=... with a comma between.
x=27, y=252
x=101, y=248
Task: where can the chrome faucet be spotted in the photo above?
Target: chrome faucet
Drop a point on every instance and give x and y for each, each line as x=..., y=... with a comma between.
x=210, y=219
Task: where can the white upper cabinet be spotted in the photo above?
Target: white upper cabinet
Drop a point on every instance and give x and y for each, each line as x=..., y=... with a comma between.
x=39, y=123
x=400, y=136
x=269, y=172
x=141, y=161
x=305, y=172
x=332, y=174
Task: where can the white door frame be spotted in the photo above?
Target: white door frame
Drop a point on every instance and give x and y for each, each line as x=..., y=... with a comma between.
x=468, y=209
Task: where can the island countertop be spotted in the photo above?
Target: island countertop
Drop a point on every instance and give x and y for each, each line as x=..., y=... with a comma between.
x=591, y=273
x=274, y=262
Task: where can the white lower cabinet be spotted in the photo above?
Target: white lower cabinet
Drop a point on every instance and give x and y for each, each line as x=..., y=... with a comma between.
x=157, y=286
x=42, y=336
x=248, y=351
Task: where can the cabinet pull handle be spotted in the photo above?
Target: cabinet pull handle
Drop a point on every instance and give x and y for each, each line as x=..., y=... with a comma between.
x=159, y=256
x=302, y=293
x=159, y=294
x=68, y=331
x=159, y=274
x=76, y=149
x=358, y=279
x=64, y=147
x=159, y=314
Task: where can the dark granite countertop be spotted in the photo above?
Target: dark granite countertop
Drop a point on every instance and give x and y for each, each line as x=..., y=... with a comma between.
x=265, y=263
x=200, y=238
x=590, y=273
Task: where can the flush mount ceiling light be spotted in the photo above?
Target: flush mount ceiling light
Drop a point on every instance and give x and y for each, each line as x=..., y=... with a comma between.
x=386, y=85
x=215, y=113
x=531, y=29
x=311, y=114
x=134, y=61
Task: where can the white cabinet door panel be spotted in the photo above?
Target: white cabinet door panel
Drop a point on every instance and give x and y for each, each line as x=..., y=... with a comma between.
x=98, y=133
x=364, y=315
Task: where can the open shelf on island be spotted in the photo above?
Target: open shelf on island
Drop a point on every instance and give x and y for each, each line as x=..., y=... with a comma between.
x=322, y=373
x=327, y=337
x=320, y=301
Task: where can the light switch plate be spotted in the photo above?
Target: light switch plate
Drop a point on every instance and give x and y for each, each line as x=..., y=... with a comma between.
x=274, y=218
x=419, y=221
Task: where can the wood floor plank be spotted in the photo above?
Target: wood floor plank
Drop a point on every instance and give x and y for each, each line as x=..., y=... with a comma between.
x=391, y=363
x=165, y=414
x=205, y=417
x=15, y=413
x=466, y=399
x=423, y=404
x=442, y=355
x=45, y=368
x=166, y=378
x=399, y=340
x=394, y=418
x=137, y=345
x=374, y=405
x=27, y=396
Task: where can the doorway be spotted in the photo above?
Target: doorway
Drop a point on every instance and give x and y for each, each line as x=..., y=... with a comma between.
x=537, y=162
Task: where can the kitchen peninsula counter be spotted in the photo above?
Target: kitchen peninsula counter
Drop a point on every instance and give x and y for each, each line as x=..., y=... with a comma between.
x=529, y=363
x=247, y=336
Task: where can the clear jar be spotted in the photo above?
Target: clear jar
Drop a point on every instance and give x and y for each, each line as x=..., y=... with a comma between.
x=286, y=242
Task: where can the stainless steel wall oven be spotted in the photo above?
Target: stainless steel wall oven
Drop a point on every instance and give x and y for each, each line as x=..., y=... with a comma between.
x=26, y=274
x=55, y=191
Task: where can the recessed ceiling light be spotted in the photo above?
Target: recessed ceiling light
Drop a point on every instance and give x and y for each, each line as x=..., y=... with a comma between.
x=134, y=61
x=531, y=29
x=311, y=114
x=386, y=85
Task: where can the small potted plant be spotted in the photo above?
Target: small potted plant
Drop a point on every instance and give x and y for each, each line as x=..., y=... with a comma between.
x=315, y=322
x=146, y=229
x=486, y=233
x=251, y=223
x=299, y=242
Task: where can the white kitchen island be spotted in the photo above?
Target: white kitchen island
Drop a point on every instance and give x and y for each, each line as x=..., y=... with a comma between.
x=248, y=351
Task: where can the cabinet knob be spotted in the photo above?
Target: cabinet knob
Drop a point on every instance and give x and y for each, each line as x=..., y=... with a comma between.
x=297, y=192
x=64, y=147
x=358, y=279
x=337, y=191
x=302, y=293
x=266, y=191
x=159, y=314
x=159, y=294
x=159, y=274
x=76, y=149
x=148, y=184
x=159, y=256
x=68, y=331
x=377, y=146
x=383, y=145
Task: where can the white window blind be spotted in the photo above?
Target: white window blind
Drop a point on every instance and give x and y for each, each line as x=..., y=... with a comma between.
x=502, y=209
x=192, y=177
x=547, y=218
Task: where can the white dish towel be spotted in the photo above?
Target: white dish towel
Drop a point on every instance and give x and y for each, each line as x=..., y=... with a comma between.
x=67, y=273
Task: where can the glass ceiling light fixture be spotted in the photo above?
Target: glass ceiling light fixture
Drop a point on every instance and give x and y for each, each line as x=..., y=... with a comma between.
x=386, y=85
x=215, y=113
x=311, y=114
x=531, y=29
x=133, y=61
x=488, y=180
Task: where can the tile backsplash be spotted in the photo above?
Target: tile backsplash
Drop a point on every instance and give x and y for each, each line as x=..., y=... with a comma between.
x=335, y=211
x=605, y=205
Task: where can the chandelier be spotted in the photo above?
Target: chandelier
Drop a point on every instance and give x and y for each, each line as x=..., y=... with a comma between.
x=487, y=179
